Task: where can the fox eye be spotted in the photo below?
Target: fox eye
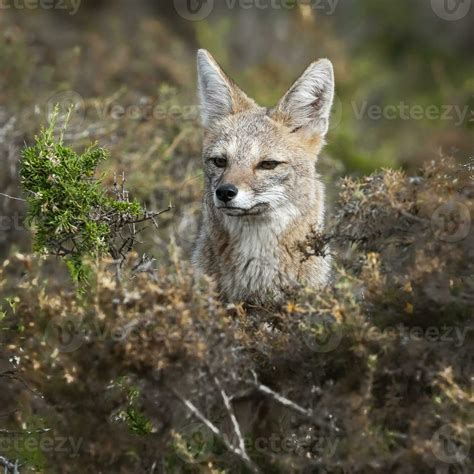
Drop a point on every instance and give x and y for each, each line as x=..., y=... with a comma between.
x=219, y=161
x=268, y=165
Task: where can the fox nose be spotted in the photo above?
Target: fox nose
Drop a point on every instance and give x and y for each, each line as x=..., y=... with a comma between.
x=226, y=192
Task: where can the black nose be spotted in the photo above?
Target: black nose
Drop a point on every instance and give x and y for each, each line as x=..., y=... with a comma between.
x=226, y=192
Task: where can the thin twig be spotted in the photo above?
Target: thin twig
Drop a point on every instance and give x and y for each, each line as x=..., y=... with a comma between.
x=413, y=217
x=13, y=376
x=151, y=215
x=26, y=432
x=12, y=197
x=280, y=398
x=235, y=423
x=4, y=415
x=308, y=413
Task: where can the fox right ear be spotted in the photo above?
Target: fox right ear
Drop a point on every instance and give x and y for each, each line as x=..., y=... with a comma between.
x=219, y=96
x=307, y=105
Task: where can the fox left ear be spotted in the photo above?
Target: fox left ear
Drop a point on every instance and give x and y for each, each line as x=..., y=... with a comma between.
x=219, y=96
x=307, y=105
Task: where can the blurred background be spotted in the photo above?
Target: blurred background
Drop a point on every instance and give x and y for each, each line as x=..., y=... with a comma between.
x=404, y=76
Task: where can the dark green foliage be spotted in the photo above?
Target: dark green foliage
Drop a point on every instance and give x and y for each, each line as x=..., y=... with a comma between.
x=137, y=422
x=73, y=215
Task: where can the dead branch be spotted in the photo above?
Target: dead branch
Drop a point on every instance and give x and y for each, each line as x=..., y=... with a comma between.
x=9, y=466
x=280, y=398
x=308, y=413
x=235, y=424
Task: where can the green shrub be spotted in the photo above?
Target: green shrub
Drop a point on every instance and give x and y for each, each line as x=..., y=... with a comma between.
x=73, y=215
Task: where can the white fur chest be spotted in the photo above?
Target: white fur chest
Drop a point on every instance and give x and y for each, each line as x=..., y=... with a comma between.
x=255, y=261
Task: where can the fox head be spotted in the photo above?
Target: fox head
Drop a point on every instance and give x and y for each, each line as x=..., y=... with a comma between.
x=259, y=163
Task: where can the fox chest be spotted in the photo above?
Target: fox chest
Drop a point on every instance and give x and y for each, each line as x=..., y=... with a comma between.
x=252, y=266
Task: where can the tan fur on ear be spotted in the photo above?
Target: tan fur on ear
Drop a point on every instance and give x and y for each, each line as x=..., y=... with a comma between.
x=219, y=95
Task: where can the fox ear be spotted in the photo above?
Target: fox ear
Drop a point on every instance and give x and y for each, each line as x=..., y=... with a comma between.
x=219, y=96
x=307, y=105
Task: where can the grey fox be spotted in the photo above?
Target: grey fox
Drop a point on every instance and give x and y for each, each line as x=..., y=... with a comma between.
x=263, y=196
